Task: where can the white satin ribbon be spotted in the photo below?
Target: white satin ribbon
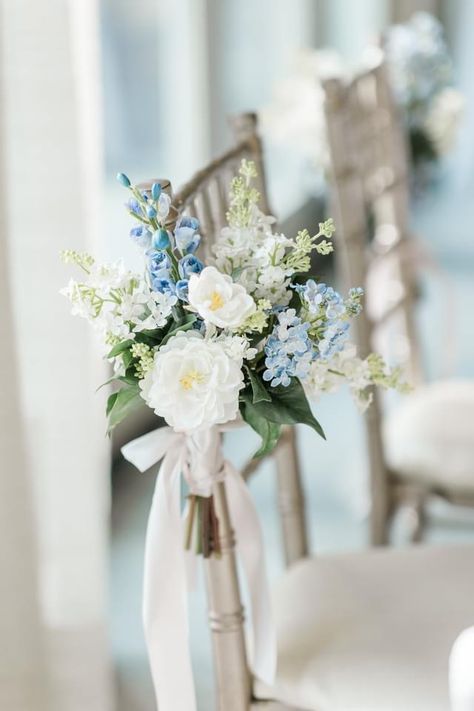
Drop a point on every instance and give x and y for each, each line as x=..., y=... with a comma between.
x=199, y=459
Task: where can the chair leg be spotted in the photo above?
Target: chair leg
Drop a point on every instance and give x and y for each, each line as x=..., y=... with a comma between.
x=290, y=498
x=226, y=616
x=417, y=520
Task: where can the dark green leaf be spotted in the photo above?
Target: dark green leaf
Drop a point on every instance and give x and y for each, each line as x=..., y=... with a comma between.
x=126, y=401
x=268, y=431
x=259, y=392
x=289, y=406
x=119, y=348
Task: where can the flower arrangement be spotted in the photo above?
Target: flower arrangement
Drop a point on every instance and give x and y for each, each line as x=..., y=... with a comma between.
x=421, y=73
x=249, y=334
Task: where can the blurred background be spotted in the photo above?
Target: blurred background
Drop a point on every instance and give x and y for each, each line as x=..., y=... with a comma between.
x=92, y=87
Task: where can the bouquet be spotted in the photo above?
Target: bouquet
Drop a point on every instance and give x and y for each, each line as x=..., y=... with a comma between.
x=248, y=335
x=421, y=73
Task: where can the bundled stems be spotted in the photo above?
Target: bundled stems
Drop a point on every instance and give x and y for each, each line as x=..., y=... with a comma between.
x=202, y=526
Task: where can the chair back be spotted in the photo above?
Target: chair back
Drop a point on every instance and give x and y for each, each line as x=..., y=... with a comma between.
x=370, y=195
x=370, y=190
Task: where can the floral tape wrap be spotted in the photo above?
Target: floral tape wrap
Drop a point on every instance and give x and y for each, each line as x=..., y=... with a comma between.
x=198, y=458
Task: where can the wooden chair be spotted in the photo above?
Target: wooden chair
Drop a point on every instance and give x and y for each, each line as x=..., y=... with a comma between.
x=428, y=443
x=350, y=635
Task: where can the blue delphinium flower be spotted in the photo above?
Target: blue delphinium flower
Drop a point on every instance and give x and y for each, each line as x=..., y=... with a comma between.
x=189, y=265
x=163, y=284
x=141, y=235
x=288, y=351
x=186, y=235
x=182, y=286
x=133, y=206
x=158, y=262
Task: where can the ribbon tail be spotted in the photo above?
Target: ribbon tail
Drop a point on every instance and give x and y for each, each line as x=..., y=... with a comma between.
x=251, y=552
x=165, y=614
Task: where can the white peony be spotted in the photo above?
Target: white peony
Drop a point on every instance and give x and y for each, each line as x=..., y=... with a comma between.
x=193, y=384
x=218, y=300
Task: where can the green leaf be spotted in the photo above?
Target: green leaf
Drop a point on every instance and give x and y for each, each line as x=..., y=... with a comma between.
x=110, y=403
x=119, y=348
x=186, y=324
x=289, y=406
x=126, y=401
x=129, y=379
x=268, y=431
x=259, y=392
x=127, y=359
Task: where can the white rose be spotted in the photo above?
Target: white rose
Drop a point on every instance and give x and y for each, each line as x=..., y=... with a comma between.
x=218, y=300
x=193, y=383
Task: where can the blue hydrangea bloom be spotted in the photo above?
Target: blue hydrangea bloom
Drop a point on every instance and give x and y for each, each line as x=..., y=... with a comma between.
x=182, y=289
x=334, y=338
x=186, y=235
x=288, y=351
x=331, y=315
x=353, y=305
x=141, y=236
x=189, y=265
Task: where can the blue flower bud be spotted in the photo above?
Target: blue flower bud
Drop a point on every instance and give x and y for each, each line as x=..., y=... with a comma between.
x=123, y=179
x=182, y=289
x=151, y=212
x=161, y=239
x=155, y=191
x=189, y=265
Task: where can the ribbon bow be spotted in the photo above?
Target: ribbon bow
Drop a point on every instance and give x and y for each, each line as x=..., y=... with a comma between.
x=199, y=459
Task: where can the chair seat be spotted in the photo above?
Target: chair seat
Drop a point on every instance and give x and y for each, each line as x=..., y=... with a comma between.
x=429, y=437
x=371, y=631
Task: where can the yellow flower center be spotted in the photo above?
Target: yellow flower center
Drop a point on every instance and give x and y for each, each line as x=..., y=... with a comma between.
x=217, y=301
x=192, y=377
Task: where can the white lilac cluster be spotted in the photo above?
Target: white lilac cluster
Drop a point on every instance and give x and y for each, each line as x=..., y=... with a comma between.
x=421, y=73
x=326, y=375
x=118, y=303
x=202, y=343
x=263, y=261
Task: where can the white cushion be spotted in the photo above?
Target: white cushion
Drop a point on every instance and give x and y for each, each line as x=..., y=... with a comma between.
x=371, y=631
x=429, y=436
